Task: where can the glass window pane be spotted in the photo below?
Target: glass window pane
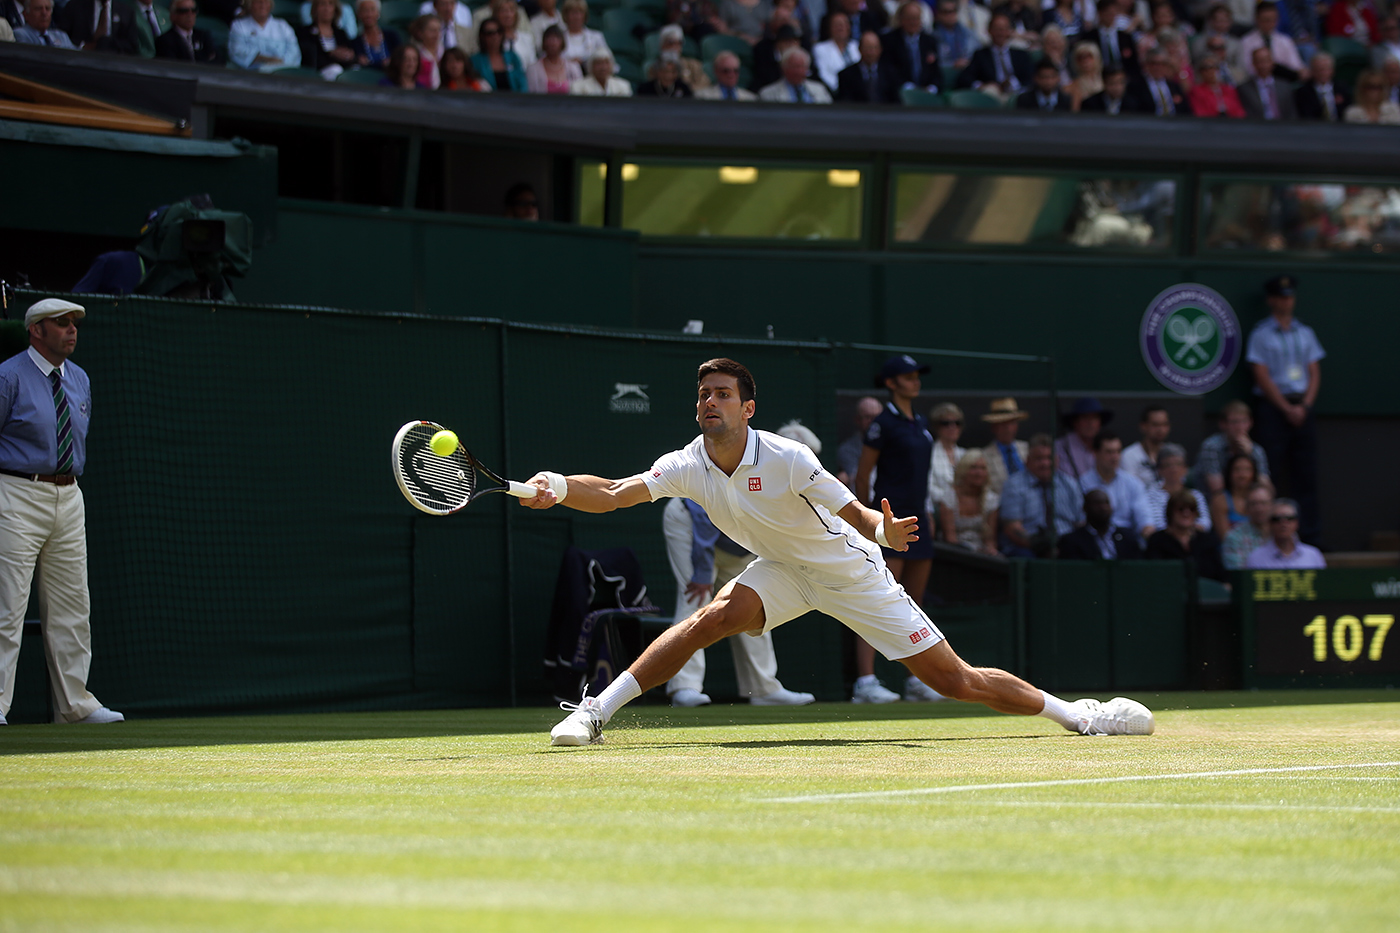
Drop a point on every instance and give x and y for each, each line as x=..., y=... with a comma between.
x=591, y=175
x=1302, y=217
x=742, y=201
x=942, y=209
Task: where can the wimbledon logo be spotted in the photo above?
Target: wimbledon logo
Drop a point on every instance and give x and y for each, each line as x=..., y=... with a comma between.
x=1190, y=339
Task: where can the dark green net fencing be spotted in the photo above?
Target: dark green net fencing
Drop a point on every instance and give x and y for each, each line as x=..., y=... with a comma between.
x=248, y=547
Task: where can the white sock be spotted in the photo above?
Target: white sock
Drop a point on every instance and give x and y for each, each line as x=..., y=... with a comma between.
x=867, y=680
x=620, y=692
x=1058, y=710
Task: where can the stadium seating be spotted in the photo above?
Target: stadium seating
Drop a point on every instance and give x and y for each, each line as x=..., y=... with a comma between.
x=623, y=44
x=656, y=9
x=1351, y=56
x=290, y=10
x=361, y=76
x=626, y=22
x=308, y=74
x=918, y=97
x=715, y=43
x=972, y=100
x=631, y=71
x=218, y=32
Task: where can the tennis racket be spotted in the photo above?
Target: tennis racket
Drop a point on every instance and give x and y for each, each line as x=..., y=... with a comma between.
x=443, y=485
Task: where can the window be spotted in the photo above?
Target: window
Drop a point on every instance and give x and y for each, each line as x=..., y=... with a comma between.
x=734, y=200
x=1308, y=217
x=1048, y=211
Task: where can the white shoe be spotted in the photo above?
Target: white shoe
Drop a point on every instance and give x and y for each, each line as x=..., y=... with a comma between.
x=783, y=697
x=916, y=691
x=3, y=722
x=100, y=716
x=1119, y=716
x=686, y=697
x=872, y=691
x=583, y=726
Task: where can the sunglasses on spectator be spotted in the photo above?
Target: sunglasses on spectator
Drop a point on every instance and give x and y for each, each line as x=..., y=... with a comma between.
x=1283, y=518
x=727, y=71
x=1370, y=86
x=491, y=32
x=949, y=423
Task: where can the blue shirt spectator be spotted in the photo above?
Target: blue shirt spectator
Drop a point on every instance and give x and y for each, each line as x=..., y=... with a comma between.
x=260, y=41
x=1286, y=353
x=1023, y=502
x=28, y=432
x=1125, y=491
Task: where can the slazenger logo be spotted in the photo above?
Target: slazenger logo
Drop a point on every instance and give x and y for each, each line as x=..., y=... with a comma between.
x=629, y=398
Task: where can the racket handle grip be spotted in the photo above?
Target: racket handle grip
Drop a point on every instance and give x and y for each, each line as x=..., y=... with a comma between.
x=522, y=490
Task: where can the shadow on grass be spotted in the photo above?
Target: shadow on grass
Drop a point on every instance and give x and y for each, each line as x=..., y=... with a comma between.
x=464, y=723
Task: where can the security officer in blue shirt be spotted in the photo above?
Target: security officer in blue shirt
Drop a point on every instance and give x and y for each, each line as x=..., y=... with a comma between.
x=45, y=403
x=1286, y=358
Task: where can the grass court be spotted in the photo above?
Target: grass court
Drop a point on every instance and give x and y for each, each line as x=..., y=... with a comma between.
x=1246, y=811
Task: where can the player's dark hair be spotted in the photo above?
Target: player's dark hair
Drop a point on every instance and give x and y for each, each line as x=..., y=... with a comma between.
x=1149, y=411
x=1104, y=436
x=728, y=367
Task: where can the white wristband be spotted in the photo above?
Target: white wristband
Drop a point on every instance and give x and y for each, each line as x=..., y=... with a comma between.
x=557, y=484
x=880, y=538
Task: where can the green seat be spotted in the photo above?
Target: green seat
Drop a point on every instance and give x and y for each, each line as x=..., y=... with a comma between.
x=631, y=71
x=972, y=100
x=218, y=29
x=623, y=44
x=290, y=10
x=950, y=77
x=918, y=97
x=309, y=74
x=1343, y=49
x=656, y=9
x=398, y=11
x=651, y=47
x=626, y=22
x=715, y=43
x=360, y=76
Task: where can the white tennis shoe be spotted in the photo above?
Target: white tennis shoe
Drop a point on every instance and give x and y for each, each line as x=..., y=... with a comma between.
x=783, y=697
x=583, y=725
x=916, y=691
x=872, y=691
x=686, y=698
x=1119, y=716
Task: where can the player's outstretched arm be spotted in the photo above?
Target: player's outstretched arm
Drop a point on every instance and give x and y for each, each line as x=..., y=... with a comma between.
x=587, y=493
x=898, y=532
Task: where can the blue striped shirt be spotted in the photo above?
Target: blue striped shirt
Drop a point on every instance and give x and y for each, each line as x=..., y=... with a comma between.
x=1286, y=353
x=28, y=424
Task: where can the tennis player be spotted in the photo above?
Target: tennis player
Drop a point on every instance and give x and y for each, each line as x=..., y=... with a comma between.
x=817, y=549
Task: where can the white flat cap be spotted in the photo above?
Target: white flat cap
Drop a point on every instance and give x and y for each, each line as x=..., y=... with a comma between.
x=52, y=307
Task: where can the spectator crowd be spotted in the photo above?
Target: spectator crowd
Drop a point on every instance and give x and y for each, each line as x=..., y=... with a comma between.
x=1091, y=495
x=1271, y=60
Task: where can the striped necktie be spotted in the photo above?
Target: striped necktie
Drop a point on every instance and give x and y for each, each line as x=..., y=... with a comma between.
x=65, y=424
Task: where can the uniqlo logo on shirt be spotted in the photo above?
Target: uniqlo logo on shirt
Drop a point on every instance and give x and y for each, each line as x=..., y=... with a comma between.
x=755, y=484
x=919, y=636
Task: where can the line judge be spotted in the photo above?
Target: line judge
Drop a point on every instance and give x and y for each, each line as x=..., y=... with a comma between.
x=816, y=547
x=45, y=404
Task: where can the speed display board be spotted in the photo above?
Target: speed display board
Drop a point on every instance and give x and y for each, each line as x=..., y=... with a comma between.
x=1320, y=628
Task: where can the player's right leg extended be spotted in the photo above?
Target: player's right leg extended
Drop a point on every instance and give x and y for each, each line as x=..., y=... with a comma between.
x=736, y=609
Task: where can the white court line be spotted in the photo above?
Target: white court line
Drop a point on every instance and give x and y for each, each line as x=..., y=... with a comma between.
x=1114, y=805
x=1020, y=785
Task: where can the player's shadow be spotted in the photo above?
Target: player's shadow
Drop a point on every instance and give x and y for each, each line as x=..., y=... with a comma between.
x=905, y=742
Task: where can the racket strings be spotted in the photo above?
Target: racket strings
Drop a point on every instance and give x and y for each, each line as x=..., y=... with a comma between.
x=441, y=483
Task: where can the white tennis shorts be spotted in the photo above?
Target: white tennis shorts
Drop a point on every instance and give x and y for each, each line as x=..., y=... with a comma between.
x=875, y=607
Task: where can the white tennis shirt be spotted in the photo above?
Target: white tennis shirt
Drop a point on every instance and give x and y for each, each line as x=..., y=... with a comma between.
x=780, y=504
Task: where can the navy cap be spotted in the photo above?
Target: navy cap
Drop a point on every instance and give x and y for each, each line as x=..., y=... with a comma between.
x=1283, y=285
x=898, y=366
x=1087, y=406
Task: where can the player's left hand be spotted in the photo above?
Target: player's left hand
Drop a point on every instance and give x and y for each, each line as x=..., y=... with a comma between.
x=899, y=532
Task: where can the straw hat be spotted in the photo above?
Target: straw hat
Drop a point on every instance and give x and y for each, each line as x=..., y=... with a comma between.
x=1004, y=409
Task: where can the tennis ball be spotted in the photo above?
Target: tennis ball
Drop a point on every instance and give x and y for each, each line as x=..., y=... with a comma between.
x=444, y=443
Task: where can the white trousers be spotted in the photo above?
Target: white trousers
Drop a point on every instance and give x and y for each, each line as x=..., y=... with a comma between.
x=43, y=527
x=755, y=664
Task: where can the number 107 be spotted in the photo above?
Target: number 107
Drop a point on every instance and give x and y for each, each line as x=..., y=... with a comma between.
x=1348, y=635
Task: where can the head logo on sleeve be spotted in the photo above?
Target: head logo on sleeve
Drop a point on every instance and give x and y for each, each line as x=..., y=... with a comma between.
x=755, y=484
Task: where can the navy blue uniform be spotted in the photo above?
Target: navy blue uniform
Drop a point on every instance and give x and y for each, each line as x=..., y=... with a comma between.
x=901, y=474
